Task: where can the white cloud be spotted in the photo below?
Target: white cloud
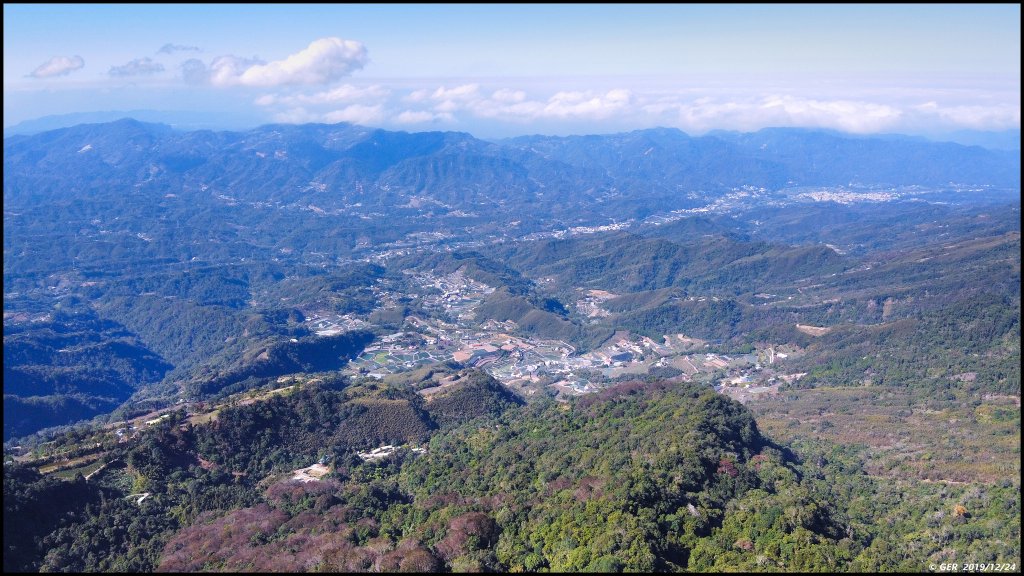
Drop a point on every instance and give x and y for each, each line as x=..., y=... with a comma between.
x=462, y=93
x=585, y=104
x=847, y=115
x=705, y=115
x=421, y=117
x=344, y=103
x=226, y=70
x=58, y=66
x=506, y=95
x=341, y=94
x=172, y=48
x=974, y=117
x=323, y=62
x=512, y=105
x=222, y=71
x=691, y=108
x=418, y=95
x=449, y=106
x=753, y=112
x=137, y=67
x=356, y=114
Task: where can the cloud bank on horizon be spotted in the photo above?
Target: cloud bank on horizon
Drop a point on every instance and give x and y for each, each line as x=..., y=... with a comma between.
x=692, y=109
x=309, y=91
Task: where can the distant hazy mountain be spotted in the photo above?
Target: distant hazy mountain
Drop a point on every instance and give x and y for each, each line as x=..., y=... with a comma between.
x=1002, y=140
x=343, y=164
x=181, y=120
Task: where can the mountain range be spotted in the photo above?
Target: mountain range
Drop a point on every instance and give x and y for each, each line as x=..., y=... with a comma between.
x=340, y=165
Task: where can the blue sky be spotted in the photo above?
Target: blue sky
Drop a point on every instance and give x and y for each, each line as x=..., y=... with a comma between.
x=498, y=70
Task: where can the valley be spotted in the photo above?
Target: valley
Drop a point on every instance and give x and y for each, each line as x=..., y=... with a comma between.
x=461, y=355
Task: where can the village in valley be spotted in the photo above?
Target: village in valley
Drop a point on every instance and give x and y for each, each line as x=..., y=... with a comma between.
x=450, y=332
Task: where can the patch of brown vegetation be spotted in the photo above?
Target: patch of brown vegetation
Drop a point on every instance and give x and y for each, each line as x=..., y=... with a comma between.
x=813, y=330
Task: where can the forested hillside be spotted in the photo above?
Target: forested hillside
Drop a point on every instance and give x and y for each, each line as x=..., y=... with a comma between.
x=643, y=476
